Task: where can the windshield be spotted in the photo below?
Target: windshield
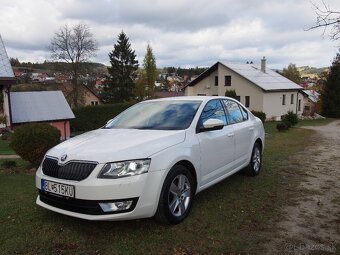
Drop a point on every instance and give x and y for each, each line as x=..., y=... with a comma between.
x=160, y=115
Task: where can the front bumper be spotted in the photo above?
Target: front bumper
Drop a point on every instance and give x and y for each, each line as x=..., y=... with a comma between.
x=143, y=189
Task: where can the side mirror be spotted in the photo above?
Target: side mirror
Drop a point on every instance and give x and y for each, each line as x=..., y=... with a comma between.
x=212, y=124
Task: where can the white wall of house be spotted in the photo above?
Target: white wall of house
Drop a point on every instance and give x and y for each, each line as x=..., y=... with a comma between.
x=275, y=107
x=242, y=87
x=206, y=87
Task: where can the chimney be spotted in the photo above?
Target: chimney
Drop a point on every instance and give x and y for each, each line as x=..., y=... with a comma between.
x=263, y=64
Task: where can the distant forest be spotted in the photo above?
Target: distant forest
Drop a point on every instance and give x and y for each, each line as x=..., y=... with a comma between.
x=185, y=71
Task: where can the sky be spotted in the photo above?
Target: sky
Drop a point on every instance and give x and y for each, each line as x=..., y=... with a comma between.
x=186, y=33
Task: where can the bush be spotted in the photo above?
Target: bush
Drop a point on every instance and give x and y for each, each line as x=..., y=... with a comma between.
x=32, y=141
x=282, y=126
x=287, y=123
x=8, y=164
x=290, y=117
x=5, y=134
x=261, y=115
x=93, y=117
x=231, y=93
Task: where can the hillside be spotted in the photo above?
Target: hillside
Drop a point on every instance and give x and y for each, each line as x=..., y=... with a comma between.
x=311, y=72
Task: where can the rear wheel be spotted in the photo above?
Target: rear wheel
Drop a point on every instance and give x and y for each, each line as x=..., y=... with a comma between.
x=175, y=201
x=255, y=163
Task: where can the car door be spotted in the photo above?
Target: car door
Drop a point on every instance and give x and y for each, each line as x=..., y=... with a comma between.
x=238, y=117
x=217, y=147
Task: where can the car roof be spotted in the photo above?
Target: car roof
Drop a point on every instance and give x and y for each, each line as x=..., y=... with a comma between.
x=189, y=98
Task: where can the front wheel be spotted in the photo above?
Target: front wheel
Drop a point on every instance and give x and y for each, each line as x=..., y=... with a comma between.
x=254, y=167
x=175, y=200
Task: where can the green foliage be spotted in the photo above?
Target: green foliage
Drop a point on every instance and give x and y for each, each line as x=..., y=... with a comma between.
x=282, y=126
x=5, y=134
x=261, y=115
x=120, y=85
x=291, y=118
x=330, y=96
x=32, y=141
x=149, y=65
x=90, y=118
x=8, y=163
x=231, y=93
x=185, y=71
x=140, y=91
x=292, y=73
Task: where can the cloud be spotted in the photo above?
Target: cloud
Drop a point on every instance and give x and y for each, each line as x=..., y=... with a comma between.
x=182, y=33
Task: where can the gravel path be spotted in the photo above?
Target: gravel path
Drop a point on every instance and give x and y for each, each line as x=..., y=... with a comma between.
x=312, y=224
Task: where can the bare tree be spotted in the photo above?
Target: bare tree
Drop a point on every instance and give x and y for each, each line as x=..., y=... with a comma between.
x=73, y=45
x=327, y=18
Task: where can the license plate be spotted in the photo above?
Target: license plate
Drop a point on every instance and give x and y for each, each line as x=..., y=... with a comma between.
x=57, y=188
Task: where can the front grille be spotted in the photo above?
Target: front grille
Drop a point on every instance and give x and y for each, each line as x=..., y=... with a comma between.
x=76, y=171
x=83, y=206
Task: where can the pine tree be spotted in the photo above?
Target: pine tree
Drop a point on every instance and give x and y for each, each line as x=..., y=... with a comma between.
x=330, y=94
x=150, y=70
x=120, y=85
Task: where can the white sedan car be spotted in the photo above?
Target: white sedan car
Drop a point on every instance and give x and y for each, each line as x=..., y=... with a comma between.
x=151, y=160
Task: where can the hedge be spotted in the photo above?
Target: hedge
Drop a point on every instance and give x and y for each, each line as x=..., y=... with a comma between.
x=93, y=117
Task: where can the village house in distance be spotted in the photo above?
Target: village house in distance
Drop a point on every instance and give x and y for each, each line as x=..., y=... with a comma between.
x=257, y=87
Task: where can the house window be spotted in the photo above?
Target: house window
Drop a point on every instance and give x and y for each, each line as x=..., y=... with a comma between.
x=94, y=102
x=283, y=99
x=227, y=80
x=201, y=94
x=299, y=107
x=216, y=80
x=292, y=99
x=214, y=95
x=247, y=101
x=238, y=98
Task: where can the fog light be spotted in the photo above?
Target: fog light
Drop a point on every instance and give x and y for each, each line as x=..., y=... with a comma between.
x=116, y=206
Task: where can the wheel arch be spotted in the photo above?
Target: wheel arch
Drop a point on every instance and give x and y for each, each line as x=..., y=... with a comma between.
x=187, y=164
x=260, y=143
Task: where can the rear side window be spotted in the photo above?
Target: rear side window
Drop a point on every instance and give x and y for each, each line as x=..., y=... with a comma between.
x=244, y=113
x=213, y=110
x=234, y=112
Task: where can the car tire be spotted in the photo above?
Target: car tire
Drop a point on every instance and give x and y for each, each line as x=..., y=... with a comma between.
x=176, y=197
x=254, y=167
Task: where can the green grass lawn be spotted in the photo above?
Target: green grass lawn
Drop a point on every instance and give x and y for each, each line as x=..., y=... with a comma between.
x=5, y=149
x=232, y=216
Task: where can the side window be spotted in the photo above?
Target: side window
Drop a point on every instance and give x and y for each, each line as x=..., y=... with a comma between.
x=213, y=110
x=244, y=113
x=234, y=113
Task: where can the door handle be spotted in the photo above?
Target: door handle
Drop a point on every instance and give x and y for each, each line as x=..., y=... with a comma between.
x=230, y=134
x=251, y=129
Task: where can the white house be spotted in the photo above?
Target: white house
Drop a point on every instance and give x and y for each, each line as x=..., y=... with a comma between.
x=257, y=87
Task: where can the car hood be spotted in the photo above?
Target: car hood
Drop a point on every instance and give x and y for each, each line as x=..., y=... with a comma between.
x=108, y=145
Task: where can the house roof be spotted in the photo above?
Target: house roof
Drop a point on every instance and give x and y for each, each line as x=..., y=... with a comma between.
x=39, y=106
x=312, y=95
x=267, y=81
x=6, y=71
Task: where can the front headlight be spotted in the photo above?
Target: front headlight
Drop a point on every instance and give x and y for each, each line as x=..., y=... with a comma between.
x=124, y=168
